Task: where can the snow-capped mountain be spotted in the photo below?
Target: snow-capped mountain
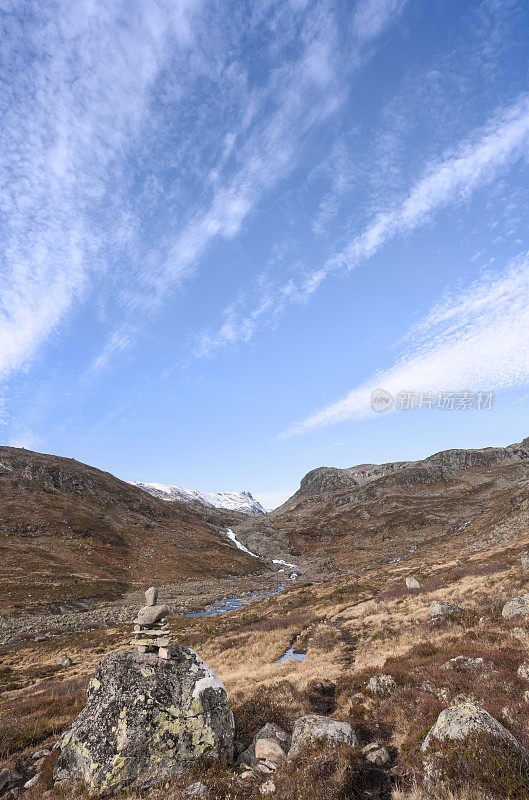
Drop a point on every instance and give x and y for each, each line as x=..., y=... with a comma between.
x=232, y=501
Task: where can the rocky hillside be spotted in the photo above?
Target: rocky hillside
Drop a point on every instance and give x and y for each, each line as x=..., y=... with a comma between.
x=69, y=531
x=371, y=514
x=231, y=501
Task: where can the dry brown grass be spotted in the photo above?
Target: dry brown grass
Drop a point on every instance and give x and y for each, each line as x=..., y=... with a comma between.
x=350, y=630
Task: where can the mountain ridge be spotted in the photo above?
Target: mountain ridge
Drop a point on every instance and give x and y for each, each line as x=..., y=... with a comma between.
x=244, y=502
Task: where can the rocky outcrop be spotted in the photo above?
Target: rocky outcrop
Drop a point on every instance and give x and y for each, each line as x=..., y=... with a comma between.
x=324, y=480
x=146, y=719
x=313, y=728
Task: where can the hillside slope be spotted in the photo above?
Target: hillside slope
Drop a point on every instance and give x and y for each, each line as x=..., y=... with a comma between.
x=70, y=531
x=362, y=516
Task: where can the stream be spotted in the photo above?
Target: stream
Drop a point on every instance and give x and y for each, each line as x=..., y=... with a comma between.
x=236, y=603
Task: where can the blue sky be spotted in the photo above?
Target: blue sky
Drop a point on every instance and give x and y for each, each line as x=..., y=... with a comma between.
x=223, y=224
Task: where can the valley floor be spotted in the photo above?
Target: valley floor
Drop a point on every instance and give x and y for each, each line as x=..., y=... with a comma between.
x=350, y=628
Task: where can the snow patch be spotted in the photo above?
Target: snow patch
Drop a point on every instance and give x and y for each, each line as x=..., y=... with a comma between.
x=231, y=501
x=230, y=534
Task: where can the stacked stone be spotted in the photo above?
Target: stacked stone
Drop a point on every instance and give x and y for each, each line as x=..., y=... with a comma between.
x=151, y=631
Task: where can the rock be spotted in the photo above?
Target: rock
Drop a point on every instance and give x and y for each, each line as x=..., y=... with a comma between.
x=41, y=754
x=9, y=778
x=464, y=663
x=525, y=696
x=266, y=767
x=313, y=727
x=376, y=754
x=441, y=609
x=146, y=719
x=412, y=583
x=271, y=743
x=381, y=684
x=273, y=731
x=65, y=661
x=459, y=722
x=525, y=561
x=32, y=781
x=269, y=749
x=151, y=596
x=148, y=615
x=515, y=607
x=268, y=787
x=196, y=789
x=523, y=671
x=247, y=774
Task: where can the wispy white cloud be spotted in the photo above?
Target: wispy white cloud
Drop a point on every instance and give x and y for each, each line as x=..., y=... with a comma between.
x=477, y=340
x=76, y=85
x=371, y=17
x=265, y=138
x=450, y=180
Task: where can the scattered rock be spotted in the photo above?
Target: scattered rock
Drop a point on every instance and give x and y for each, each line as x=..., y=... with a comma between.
x=196, y=789
x=376, y=754
x=439, y=608
x=266, y=767
x=381, y=684
x=32, y=781
x=275, y=732
x=313, y=727
x=516, y=606
x=525, y=561
x=412, y=582
x=65, y=661
x=41, y=754
x=461, y=721
x=9, y=778
x=464, y=663
x=145, y=720
x=268, y=787
x=269, y=749
x=523, y=671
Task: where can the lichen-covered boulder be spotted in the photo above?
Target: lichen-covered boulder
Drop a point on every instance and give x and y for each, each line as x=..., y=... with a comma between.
x=313, y=728
x=459, y=722
x=516, y=606
x=440, y=608
x=146, y=720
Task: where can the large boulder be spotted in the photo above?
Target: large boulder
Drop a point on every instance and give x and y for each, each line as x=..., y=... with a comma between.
x=515, y=607
x=312, y=728
x=459, y=722
x=146, y=720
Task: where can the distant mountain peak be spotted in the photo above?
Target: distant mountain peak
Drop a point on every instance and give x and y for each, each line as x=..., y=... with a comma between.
x=231, y=501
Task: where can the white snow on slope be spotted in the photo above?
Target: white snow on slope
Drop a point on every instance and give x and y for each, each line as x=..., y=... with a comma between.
x=239, y=544
x=232, y=501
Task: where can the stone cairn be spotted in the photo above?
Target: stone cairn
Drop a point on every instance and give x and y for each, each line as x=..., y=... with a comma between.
x=151, y=631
